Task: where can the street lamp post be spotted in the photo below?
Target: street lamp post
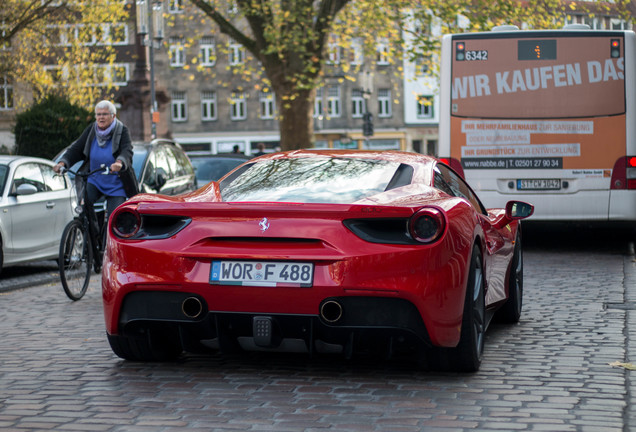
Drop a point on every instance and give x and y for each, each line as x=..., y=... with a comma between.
x=150, y=26
x=366, y=82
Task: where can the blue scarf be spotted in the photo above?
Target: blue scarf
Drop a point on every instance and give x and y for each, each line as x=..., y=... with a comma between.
x=103, y=136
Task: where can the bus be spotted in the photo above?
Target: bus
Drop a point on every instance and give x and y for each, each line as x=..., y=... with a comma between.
x=543, y=116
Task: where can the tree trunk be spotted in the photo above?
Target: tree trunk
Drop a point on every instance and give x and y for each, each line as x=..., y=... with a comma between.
x=296, y=121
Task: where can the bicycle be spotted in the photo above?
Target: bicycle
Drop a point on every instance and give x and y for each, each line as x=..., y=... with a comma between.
x=81, y=249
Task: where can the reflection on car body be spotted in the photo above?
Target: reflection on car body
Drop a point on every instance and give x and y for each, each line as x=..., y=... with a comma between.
x=36, y=204
x=347, y=252
x=211, y=167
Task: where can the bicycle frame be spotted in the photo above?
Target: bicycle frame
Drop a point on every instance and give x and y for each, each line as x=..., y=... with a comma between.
x=88, y=219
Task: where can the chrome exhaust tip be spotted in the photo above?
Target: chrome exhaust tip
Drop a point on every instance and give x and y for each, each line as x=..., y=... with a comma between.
x=192, y=307
x=331, y=311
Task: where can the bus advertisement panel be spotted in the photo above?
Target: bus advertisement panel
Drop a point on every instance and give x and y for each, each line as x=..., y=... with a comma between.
x=543, y=116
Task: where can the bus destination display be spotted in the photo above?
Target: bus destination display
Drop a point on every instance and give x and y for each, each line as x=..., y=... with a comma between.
x=536, y=49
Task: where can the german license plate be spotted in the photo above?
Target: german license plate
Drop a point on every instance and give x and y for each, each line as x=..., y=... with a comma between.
x=539, y=184
x=262, y=273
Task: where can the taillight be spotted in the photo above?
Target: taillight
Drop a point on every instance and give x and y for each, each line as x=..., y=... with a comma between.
x=624, y=173
x=126, y=223
x=427, y=225
x=631, y=172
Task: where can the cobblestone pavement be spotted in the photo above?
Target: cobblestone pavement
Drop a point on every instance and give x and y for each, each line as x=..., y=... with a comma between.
x=551, y=372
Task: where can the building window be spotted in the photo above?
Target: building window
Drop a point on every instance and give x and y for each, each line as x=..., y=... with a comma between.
x=6, y=45
x=618, y=24
x=357, y=51
x=333, y=52
x=239, y=111
x=56, y=74
x=333, y=101
x=117, y=34
x=236, y=53
x=175, y=6
x=54, y=35
x=179, y=106
x=383, y=53
x=119, y=74
x=384, y=103
x=381, y=144
x=177, y=52
x=318, y=103
x=358, y=106
x=424, y=107
x=116, y=74
x=232, y=8
x=6, y=94
x=207, y=50
x=208, y=106
x=266, y=99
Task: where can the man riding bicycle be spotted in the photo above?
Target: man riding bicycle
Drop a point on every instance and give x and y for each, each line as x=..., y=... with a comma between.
x=106, y=142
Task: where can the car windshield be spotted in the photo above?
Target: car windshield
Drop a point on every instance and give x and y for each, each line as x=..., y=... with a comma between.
x=309, y=180
x=208, y=169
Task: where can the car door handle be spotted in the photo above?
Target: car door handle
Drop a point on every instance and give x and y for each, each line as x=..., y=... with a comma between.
x=50, y=205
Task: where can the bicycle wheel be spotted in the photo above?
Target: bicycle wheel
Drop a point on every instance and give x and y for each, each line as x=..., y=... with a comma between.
x=76, y=258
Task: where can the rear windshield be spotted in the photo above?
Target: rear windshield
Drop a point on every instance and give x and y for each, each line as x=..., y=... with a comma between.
x=309, y=180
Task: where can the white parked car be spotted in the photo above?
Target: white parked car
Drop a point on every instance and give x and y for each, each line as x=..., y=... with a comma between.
x=35, y=206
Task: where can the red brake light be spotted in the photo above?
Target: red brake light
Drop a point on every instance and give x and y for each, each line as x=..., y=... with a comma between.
x=126, y=223
x=427, y=225
x=624, y=173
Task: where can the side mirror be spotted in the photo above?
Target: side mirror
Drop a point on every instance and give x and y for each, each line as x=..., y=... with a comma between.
x=518, y=210
x=26, y=189
x=515, y=210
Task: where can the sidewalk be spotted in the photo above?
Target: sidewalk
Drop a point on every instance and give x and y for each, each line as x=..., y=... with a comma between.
x=28, y=275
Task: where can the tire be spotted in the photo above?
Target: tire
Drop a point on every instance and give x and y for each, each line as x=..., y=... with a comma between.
x=510, y=312
x=164, y=347
x=75, y=260
x=466, y=357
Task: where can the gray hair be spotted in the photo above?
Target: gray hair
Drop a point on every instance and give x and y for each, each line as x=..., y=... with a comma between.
x=106, y=104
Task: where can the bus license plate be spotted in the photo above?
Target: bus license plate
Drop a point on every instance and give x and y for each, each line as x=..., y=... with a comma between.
x=262, y=273
x=539, y=184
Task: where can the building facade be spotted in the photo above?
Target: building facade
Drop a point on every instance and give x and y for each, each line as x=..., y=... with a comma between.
x=205, y=102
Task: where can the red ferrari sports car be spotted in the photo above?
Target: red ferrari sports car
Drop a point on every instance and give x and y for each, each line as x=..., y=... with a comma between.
x=341, y=252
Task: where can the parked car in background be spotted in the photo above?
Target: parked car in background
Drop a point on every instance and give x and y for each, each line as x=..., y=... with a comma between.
x=163, y=167
x=211, y=167
x=36, y=204
x=342, y=252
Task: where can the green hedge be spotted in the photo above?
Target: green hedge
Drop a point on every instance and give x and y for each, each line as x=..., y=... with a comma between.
x=49, y=126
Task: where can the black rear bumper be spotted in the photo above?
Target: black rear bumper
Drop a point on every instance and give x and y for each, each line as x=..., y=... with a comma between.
x=345, y=325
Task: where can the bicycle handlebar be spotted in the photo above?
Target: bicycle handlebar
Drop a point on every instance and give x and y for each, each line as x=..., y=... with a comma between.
x=106, y=171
